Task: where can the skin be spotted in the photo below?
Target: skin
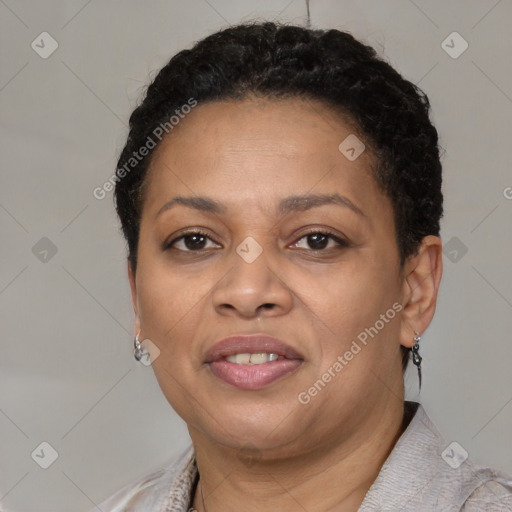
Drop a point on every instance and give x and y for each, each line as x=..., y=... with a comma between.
x=262, y=449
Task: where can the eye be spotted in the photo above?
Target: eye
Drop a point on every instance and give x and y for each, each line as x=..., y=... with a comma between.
x=192, y=241
x=196, y=241
x=319, y=240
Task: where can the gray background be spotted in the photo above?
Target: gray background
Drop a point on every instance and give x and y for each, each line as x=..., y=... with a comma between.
x=67, y=372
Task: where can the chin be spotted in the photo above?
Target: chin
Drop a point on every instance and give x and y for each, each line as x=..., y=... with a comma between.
x=238, y=427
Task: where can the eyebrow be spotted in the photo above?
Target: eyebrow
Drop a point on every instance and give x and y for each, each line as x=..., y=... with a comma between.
x=286, y=205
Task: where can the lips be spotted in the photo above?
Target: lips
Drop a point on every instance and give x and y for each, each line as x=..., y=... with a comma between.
x=251, y=344
x=249, y=376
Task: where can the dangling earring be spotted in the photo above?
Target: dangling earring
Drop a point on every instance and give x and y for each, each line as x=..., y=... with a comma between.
x=416, y=358
x=139, y=351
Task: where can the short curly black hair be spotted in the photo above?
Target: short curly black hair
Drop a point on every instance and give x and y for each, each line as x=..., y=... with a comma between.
x=274, y=60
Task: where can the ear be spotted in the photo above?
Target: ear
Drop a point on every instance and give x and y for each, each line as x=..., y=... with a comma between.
x=422, y=275
x=133, y=288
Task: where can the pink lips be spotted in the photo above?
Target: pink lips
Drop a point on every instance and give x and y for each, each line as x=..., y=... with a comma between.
x=256, y=376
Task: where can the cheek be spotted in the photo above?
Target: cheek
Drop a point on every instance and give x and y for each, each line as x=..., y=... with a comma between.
x=348, y=305
x=170, y=305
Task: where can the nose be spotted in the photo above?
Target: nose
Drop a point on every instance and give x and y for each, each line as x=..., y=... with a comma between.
x=253, y=289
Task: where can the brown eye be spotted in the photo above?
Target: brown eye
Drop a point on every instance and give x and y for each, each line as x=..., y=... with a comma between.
x=193, y=241
x=319, y=240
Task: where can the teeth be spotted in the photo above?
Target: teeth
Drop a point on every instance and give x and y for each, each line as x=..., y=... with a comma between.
x=246, y=358
x=259, y=358
x=242, y=358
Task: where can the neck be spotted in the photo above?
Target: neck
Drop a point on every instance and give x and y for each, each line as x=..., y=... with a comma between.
x=336, y=476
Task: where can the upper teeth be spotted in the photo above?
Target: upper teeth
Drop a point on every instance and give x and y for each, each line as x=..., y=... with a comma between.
x=261, y=358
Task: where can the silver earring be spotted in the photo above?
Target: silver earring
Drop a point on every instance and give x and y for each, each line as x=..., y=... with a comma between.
x=139, y=351
x=416, y=358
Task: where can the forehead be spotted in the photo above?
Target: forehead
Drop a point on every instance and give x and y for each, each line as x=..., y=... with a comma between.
x=277, y=127
x=259, y=151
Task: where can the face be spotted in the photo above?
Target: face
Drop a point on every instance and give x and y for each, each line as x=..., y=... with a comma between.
x=294, y=241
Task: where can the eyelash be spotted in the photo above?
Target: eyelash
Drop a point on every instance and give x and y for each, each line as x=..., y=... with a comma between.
x=341, y=243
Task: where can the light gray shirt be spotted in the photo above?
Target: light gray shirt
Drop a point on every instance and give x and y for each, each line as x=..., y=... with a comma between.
x=421, y=474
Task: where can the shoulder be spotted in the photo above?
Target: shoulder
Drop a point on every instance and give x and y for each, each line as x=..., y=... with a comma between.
x=424, y=473
x=492, y=492
x=172, y=483
x=461, y=483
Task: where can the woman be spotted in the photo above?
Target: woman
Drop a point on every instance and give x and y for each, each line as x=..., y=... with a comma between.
x=280, y=194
